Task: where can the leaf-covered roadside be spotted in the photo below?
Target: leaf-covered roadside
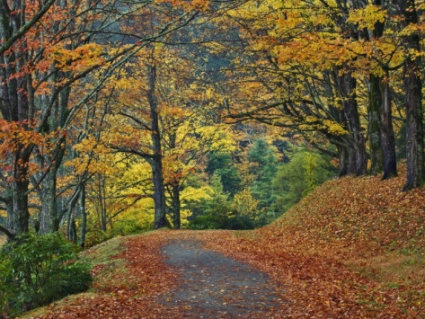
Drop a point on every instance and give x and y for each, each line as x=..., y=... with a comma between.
x=343, y=252
x=340, y=253
x=125, y=284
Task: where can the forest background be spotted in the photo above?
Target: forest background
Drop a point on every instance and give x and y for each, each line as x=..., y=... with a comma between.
x=124, y=116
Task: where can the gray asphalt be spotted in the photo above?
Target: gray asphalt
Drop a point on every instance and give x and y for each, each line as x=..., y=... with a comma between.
x=215, y=286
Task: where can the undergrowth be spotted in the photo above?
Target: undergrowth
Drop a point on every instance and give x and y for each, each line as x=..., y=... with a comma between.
x=36, y=270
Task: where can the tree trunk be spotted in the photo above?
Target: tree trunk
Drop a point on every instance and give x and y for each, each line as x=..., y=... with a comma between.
x=18, y=219
x=175, y=184
x=71, y=232
x=414, y=129
x=347, y=160
x=102, y=202
x=83, y=212
x=348, y=89
x=387, y=132
x=156, y=162
x=375, y=135
x=14, y=107
x=381, y=97
x=413, y=89
x=49, y=217
x=343, y=161
x=176, y=207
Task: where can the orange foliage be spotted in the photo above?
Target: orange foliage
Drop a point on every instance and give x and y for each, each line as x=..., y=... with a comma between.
x=15, y=136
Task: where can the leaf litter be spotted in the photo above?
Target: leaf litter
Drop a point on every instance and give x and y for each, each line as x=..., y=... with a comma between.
x=351, y=249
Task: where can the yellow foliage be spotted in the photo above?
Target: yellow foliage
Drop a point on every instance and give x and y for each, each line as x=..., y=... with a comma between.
x=244, y=203
x=334, y=128
x=184, y=215
x=367, y=17
x=142, y=213
x=195, y=194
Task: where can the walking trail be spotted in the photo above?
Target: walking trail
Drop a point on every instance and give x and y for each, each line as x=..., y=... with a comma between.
x=171, y=275
x=214, y=286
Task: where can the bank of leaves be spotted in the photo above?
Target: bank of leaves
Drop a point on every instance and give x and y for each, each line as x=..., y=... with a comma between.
x=129, y=274
x=354, y=247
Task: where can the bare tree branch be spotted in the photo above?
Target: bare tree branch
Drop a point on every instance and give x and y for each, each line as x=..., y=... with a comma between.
x=7, y=232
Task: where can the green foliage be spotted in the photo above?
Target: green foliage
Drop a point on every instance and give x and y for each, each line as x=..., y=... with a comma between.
x=219, y=203
x=97, y=236
x=212, y=212
x=206, y=222
x=218, y=212
x=270, y=188
x=222, y=164
x=36, y=270
x=262, y=189
x=6, y=291
x=239, y=222
x=294, y=180
x=235, y=222
x=262, y=153
x=129, y=227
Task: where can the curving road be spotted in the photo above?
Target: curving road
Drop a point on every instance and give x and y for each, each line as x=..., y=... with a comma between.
x=215, y=286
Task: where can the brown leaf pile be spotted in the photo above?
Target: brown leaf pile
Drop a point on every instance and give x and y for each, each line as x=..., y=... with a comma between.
x=333, y=254
x=361, y=224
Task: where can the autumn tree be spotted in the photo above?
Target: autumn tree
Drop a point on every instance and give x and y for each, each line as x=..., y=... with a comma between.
x=329, y=70
x=51, y=49
x=171, y=109
x=410, y=38
x=224, y=165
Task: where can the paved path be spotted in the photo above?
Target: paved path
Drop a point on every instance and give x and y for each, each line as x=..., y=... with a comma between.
x=215, y=286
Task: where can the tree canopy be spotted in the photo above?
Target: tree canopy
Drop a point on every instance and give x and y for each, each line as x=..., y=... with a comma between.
x=119, y=116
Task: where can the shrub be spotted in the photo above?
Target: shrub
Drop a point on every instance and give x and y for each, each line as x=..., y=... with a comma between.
x=36, y=270
x=206, y=222
x=239, y=223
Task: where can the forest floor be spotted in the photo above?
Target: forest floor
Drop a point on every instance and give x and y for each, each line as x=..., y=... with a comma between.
x=354, y=248
x=218, y=274
x=169, y=274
